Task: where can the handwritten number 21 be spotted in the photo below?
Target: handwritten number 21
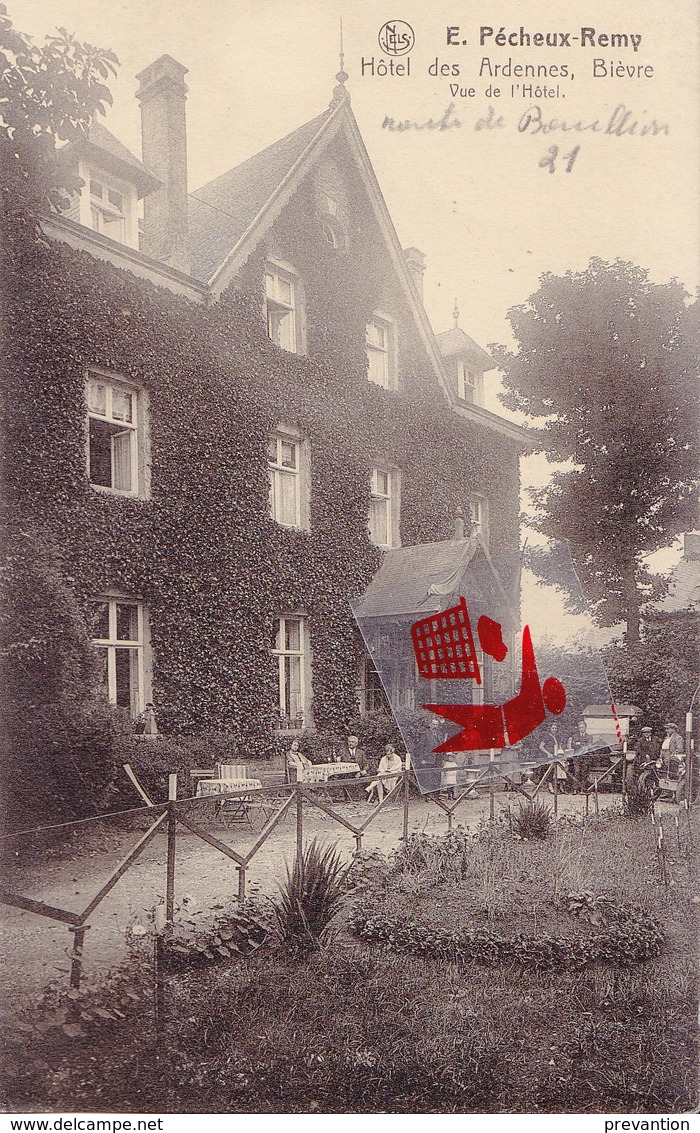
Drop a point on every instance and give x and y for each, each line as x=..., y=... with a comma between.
x=549, y=160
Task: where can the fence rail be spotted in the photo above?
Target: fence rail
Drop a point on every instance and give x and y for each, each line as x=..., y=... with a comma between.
x=287, y=797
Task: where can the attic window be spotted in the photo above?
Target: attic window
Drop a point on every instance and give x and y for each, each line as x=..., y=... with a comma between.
x=466, y=382
x=380, y=339
x=334, y=232
x=107, y=210
x=283, y=307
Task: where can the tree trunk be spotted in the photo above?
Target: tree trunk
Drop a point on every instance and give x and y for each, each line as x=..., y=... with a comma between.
x=630, y=606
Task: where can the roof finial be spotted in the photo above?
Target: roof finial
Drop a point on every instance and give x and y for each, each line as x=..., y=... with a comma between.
x=340, y=92
x=455, y=315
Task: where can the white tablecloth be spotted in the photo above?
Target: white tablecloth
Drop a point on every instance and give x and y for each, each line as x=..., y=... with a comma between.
x=219, y=786
x=322, y=772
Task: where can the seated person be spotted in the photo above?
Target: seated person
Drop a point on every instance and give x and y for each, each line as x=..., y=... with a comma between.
x=390, y=762
x=297, y=761
x=354, y=754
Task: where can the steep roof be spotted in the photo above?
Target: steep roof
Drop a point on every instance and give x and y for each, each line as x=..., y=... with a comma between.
x=455, y=341
x=684, y=591
x=222, y=210
x=232, y=214
x=102, y=146
x=423, y=579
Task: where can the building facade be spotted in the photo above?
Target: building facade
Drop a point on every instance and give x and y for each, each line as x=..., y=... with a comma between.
x=222, y=417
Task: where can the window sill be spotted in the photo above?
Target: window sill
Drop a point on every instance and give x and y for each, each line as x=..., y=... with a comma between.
x=105, y=491
x=290, y=527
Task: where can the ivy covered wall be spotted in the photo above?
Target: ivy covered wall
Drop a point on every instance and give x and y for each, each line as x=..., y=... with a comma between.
x=202, y=551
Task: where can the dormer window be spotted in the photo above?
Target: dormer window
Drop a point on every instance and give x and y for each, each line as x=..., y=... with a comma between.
x=283, y=307
x=466, y=382
x=107, y=210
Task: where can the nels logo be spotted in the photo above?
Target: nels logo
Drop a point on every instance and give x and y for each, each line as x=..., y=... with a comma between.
x=396, y=37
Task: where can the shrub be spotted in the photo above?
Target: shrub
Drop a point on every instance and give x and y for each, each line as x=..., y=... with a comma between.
x=638, y=801
x=444, y=858
x=229, y=933
x=59, y=734
x=534, y=821
x=630, y=940
x=310, y=897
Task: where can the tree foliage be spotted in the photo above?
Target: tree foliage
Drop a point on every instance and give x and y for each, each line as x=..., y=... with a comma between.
x=609, y=360
x=48, y=95
x=59, y=734
x=662, y=677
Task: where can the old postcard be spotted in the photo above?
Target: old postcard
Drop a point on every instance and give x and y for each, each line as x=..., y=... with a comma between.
x=352, y=563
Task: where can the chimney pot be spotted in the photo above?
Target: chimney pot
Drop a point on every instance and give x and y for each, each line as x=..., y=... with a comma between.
x=162, y=94
x=416, y=265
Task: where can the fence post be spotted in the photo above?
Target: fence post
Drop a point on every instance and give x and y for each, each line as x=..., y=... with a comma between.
x=300, y=822
x=241, y=883
x=76, y=963
x=406, y=791
x=492, y=791
x=556, y=786
x=170, y=869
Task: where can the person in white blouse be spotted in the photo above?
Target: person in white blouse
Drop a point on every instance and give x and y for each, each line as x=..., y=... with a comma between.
x=388, y=764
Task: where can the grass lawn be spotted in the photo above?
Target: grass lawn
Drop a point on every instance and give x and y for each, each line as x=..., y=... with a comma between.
x=358, y=1027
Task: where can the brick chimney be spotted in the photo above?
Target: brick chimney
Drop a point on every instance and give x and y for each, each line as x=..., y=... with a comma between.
x=416, y=265
x=162, y=93
x=691, y=546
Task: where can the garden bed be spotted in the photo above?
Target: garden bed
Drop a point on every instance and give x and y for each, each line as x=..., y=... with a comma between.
x=355, y=1027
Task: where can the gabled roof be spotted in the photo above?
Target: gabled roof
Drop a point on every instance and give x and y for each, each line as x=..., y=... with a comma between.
x=684, y=591
x=222, y=210
x=424, y=579
x=102, y=147
x=231, y=215
x=455, y=341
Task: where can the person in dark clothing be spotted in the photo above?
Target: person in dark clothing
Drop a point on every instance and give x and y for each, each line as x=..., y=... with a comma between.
x=646, y=750
x=577, y=744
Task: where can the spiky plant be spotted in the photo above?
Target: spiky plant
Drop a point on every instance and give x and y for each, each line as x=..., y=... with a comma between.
x=311, y=895
x=638, y=800
x=534, y=821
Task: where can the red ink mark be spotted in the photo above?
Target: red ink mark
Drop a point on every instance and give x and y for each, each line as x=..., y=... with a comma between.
x=444, y=645
x=491, y=638
x=486, y=725
x=618, y=729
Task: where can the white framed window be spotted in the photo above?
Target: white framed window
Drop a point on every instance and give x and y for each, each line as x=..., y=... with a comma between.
x=107, y=209
x=283, y=307
x=289, y=471
x=120, y=636
x=116, y=435
x=479, y=515
x=290, y=652
x=466, y=382
x=384, y=505
x=380, y=339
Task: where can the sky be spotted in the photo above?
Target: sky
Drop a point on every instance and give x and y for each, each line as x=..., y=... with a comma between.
x=493, y=206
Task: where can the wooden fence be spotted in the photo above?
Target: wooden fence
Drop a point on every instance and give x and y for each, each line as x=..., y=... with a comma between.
x=292, y=797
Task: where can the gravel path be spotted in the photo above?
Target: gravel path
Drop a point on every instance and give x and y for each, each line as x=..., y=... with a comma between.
x=34, y=948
